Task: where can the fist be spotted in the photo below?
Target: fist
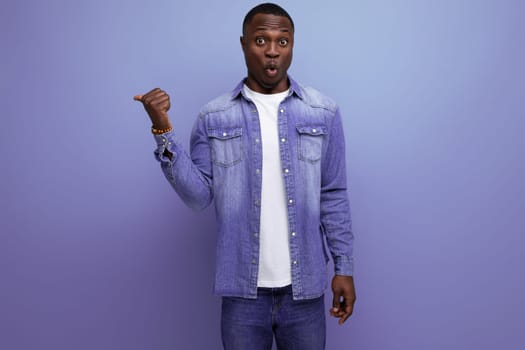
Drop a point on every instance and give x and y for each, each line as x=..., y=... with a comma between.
x=156, y=103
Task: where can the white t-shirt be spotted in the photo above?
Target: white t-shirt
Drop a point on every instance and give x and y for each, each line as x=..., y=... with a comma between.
x=274, y=252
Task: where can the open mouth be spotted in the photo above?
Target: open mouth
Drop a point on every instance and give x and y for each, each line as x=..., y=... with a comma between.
x=271, y=70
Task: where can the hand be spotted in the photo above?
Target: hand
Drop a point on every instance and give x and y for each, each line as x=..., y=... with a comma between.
x=344, y=297
x=156, y=103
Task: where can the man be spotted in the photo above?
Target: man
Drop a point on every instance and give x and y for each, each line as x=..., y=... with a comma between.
x=271, y=155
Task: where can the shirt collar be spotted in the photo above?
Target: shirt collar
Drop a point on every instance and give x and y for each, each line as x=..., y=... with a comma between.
x=295, y=88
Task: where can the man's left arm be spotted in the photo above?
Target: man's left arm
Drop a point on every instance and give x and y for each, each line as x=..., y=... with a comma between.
x=336, y=220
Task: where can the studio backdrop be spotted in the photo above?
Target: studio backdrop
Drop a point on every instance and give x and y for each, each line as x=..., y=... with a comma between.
x=98, y=252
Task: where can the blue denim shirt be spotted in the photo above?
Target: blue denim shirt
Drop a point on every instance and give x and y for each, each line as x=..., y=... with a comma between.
x=224, y=165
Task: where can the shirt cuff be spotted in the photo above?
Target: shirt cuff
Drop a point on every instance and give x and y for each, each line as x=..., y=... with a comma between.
x=164, y=142
x=344, y=265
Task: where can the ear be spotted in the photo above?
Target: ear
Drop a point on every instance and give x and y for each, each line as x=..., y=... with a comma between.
x=243, y=42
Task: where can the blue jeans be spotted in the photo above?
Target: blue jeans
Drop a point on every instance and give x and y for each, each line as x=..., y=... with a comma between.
x=252, y=323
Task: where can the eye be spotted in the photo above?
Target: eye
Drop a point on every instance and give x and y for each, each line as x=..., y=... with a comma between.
x=259, y=41
x=283, y=42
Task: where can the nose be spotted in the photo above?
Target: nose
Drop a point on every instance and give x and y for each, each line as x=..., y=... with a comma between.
x=272, y=50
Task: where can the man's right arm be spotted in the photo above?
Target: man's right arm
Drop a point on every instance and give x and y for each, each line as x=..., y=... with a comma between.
x=190, y=176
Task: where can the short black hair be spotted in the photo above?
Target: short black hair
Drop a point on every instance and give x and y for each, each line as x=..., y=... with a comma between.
x=266, y=8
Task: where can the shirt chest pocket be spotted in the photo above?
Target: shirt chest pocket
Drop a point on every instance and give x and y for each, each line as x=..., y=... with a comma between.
x=310, y=142
x=226, y=145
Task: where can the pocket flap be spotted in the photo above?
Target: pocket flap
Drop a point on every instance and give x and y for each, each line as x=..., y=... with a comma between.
x=317, y=129
x=224, y=133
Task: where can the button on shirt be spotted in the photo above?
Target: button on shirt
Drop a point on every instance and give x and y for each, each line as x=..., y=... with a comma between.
x=225, y=153
x=274, y=237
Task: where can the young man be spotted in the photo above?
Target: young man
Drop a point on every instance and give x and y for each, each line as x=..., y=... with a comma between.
x=271, y=155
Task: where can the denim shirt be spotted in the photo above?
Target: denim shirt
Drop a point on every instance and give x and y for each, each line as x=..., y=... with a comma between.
x=224, y=165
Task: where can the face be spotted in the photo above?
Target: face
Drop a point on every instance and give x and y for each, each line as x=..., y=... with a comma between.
x=267, y=45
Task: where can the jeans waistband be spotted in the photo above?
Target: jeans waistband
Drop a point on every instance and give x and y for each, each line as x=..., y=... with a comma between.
x=275, y=291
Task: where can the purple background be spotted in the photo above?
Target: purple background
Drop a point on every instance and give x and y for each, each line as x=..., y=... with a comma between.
x=97, y=251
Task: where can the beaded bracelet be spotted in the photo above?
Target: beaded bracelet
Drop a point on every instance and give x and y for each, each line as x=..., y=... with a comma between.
x=160, y=131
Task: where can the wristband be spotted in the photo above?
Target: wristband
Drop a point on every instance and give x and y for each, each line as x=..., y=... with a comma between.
x=160, y=131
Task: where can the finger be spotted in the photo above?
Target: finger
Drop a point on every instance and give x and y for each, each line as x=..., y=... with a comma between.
x=154, y=97
x=160, y=103
x=348, y=313
x=337, y=314
x=161, y=99
x=165, y=101
x=343, y=318
x=336, y=310
x=347, y=309
x=336, y=301
x=147, y=95
x=152, y=91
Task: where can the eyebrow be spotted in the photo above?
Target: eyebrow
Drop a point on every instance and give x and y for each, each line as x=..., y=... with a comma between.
x=262, y=28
